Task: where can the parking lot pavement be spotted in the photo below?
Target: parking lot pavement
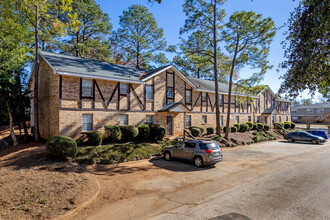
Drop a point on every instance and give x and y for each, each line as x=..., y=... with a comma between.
x=258, y=181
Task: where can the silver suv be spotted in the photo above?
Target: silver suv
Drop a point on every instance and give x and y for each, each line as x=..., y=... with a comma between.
x=201, y=152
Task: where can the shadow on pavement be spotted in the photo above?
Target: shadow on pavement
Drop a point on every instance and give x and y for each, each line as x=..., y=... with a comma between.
x=232, y=216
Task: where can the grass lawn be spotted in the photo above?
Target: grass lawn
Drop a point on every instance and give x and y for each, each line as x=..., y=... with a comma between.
x=117, y=153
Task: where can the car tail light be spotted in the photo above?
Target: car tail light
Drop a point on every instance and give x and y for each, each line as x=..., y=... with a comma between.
x=284, y=135
x=208, y=151
x=220, y=149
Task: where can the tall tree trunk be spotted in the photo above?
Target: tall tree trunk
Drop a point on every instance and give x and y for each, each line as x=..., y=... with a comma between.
x=26, y=133
x=22, y=114
x=11, y=126
x=36, y=78
x=215, y=69
x=20, y=129
x=137, y=55
x=230, y=87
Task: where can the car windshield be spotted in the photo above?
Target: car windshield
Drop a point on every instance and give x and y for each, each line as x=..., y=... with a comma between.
x=208, y=146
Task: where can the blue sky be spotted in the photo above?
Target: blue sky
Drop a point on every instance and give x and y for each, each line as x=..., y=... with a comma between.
x=169, y=15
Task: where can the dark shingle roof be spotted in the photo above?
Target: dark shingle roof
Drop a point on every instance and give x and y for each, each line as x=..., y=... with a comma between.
x=171, y=106
x=269, y=110
x=317, y=105
x=71, y=64
x=209, y=84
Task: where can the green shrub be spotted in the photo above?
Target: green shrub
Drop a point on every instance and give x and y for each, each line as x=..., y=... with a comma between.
x=266, y=127
x=217, y=138
x=243, y=127
x=260, y=126
x=195, y=132
x=157, y=132
x=144, y=132
x=278, y=126
x=293, y=125
x=254, y=126
x=61, y=146
x=128, y=132
x=112, y=132
x=250, y=124
x=237, y=125
x=233, y=129
x=94, y=138
x=287, y=125
x=202, y=129
x=210, y=130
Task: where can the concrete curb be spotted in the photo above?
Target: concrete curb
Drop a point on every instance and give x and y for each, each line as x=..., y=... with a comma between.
x=81, y=206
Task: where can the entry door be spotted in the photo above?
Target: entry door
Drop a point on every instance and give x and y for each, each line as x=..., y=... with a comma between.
x=169, y=125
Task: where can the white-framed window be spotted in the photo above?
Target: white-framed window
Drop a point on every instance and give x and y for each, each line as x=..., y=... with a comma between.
x=87, y=122
x=123, y=88
x=204, y=119
x=249, y=118
x=294, y=111
x=123, y=119
x=309, y=110
x=149, y=120
x=221, y=120
x=320, y=110
x=237, y=119
x=203, y=96
x=188, y=96
x=86, y=87
x=169, y=92
x=149, y=92
x=220, y=99
x=188, y=120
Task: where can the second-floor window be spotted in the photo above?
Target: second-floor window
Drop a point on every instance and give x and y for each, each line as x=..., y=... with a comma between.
x=294, y=111
x=123, y=88
x=149, y=92
x=86, y=87
x=309, y=110
x=188, y=96
x=236, y=100
x=220, y=99
x=203, y=96
x=169, y=92
x=266, y=101
x=320, y=110
x=257, y=102
x=272, y=103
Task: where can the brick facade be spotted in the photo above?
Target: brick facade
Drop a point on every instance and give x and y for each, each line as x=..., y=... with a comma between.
x=62, y=105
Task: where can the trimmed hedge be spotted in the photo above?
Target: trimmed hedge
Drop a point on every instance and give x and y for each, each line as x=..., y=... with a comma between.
x=61, y=146
x=94, y=138
x=254, y=127
x=112, y=132
x=195, y=131
x=243, y=128
x=287, y=125
x=144, y=132
x=128, y=132
x=202, y=129
x=210, y=130
x=233, y=129
x=278, y=126
x=157, y=132
x=250, y=124
x=260, y=126
x=266, y=127
x=293, y=125
x=237, y=125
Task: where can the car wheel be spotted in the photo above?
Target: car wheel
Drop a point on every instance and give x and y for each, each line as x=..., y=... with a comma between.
x=198, y=161
x=167, y=156
x=290, y=140
x=314, y=141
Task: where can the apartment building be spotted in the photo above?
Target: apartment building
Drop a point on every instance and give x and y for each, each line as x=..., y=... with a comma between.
x=77, y=94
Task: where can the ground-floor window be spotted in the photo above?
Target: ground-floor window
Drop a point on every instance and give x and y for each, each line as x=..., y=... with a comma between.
x=87, y=122
x=273, y=119
x=221, y=120
x=287, y=118
x=237, y=119
x=123, y=119
x=258, y=119
x=149, y=120
x=249, y=118
x=204, y=119
x=265, y=120
x=188, y=120
x=279, y=118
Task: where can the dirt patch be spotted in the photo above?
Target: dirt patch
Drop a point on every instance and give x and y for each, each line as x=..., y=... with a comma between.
x=33, y=186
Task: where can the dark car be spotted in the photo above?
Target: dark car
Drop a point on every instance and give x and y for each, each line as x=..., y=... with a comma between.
x=304, y=136
x=319, y=133
x=201, y=152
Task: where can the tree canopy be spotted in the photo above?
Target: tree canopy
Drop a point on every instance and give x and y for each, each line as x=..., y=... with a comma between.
x=307, y=50
x=138, y=41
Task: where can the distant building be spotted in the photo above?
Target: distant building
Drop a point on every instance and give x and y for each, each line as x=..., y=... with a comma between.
x=314, y=110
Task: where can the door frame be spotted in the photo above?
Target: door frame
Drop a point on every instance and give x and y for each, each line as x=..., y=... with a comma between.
x=167, y=128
